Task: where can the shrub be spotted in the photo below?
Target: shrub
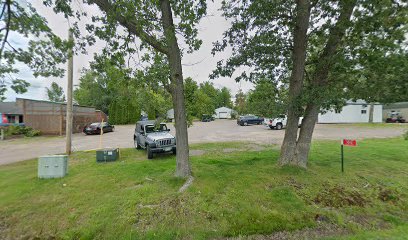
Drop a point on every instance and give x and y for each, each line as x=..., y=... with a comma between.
x=22, y=130
x=405, y=135
x=32, y=133
x=14, y=130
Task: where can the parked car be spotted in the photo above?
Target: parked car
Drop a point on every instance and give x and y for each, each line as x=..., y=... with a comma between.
x=280, y=122
x=395, y=117
x=155, y=138
x=249, y=119
x=207, y=118
x=95, y=128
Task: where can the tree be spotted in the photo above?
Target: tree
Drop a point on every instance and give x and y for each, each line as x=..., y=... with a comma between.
x=36, y=46
x=55, y=93
x=224, y=98
x=190, y=89
x=318, y=48
x=213, y=93
x=266, y=99
x=241, y=102
x=152, y=22
x=122, y=93
x=204, y=104
x=93, y=90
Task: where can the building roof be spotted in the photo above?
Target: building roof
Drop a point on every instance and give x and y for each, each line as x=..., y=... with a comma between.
x=223, y=109
x=396, y=105
x=46, y=101
x=10, y=108
x=360, y=102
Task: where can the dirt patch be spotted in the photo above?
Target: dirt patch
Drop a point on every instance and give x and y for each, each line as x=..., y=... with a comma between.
x=339, y=196
x=229, y=150
x=387, y=195
x=197, y=152
x=322, y=230
x=256, y=147
x=148, y=215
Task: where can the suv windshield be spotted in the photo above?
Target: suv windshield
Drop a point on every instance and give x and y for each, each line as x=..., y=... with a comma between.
x=152, y=128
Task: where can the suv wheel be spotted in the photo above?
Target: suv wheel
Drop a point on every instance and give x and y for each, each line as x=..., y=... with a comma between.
x=174, y=151
x=137, y=146
x=279, y=126
x=149, y=153
x=245, y=124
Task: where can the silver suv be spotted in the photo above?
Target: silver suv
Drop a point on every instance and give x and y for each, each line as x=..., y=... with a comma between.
x=153, y=137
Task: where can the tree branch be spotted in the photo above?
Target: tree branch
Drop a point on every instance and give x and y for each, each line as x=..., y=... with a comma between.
x=336, y=35
x=131, y=25
x=8, y=3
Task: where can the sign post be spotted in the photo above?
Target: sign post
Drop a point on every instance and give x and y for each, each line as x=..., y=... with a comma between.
x=342, y=158
x=346, y=142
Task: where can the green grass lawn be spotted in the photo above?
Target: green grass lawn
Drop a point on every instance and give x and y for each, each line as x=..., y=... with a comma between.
x=233, y=194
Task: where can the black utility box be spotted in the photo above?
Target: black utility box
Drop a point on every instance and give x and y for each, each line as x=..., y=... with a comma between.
x=107, y=155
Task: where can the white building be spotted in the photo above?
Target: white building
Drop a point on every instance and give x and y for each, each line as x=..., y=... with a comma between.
x=170, y=114
x=353, y=112
x=223, y=113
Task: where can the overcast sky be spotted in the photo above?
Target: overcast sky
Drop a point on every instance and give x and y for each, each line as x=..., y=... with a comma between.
x=197, y=65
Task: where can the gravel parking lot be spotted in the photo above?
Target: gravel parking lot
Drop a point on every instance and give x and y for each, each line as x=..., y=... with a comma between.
x=217, y=131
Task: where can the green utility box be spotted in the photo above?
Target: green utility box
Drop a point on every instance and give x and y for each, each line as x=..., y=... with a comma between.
x=107, y=155
x=52, y=166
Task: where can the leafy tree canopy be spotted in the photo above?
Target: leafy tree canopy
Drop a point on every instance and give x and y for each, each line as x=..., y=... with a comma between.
x=55, y=93
x=38, y=47
x=261, y=39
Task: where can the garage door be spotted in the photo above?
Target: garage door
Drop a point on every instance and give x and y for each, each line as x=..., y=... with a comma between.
x=223, y=115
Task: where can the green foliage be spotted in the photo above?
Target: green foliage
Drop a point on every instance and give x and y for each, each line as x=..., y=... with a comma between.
x=370, y=62
x=266, y=99
x=405, y=135
x=124, y=111
x=204, y=98
x=224, y=98
x=21, y=130
x=241, y=103
x=138, y=198
x=122, y=93
x=93, y=90
x=42, y=50
x=55, y=93
x=32, y=133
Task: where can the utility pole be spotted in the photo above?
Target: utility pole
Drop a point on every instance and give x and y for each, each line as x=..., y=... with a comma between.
x=68, y=130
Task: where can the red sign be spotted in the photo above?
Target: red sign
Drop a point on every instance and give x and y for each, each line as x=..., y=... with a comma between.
x=349, y=142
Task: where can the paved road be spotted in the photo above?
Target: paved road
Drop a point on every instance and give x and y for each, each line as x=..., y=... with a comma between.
x=217, y=131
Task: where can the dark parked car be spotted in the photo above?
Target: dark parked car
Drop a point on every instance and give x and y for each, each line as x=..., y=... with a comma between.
x=155, y=138
x=95, y=128
x=249, y=119
x=207, y=118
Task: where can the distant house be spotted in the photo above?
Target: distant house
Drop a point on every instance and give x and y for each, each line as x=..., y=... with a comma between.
x=400, y=107
x=352, y=112
x=223, y=113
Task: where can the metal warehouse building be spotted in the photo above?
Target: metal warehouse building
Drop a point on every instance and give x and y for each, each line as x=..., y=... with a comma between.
x=352, y=112
x=50, y=117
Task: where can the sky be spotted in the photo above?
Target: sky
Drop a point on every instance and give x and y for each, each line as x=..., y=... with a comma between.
x=197, y=65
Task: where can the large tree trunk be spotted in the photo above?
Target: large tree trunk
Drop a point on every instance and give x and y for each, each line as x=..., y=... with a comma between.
x=288, y=149
x=371, y=113
x=183, y=168
x=319, y=82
